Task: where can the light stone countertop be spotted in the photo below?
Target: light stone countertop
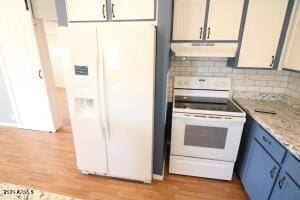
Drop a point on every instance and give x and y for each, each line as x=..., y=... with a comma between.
x=284, y=125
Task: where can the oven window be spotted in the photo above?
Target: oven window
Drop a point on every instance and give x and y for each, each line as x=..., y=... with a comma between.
x=203, y=136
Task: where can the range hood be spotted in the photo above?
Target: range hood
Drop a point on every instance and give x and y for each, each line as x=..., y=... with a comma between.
x=205, y=49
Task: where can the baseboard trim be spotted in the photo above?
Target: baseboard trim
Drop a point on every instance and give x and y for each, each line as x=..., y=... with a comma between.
x=8, y=124
x=158, y=177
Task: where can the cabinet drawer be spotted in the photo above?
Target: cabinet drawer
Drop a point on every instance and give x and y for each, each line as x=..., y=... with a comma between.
x=292, y=167
x=269, y=143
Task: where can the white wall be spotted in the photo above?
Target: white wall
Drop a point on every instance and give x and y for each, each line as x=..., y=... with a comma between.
x=55, y=53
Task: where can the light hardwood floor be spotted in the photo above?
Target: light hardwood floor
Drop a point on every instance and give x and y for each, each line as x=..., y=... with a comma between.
x=47, y=162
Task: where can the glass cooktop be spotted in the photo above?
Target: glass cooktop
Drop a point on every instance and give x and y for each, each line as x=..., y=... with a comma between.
x=206, y=103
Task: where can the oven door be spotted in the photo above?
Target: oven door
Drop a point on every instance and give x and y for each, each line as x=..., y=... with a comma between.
x=206, y=136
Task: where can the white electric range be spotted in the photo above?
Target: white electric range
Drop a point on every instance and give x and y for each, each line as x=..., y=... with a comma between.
x=206, y=128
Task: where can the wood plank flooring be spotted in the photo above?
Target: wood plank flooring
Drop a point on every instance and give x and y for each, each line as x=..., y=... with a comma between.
x=47, y=162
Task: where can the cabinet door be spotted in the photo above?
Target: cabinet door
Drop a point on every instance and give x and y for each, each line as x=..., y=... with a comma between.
x=86, y=10
x=285, y=189
x=129, y=131
x=189, y=18
x=260, y=173
x=224, y=19
x=262, y=31
x=23, y=65
x=133, y=9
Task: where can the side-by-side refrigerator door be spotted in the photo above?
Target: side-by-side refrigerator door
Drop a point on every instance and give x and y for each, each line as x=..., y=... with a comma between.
x=81, y=50
x=127, y=88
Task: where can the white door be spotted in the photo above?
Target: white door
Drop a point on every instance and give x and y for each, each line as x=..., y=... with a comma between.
x=86, y=10
x=224, y=19
x=83, y=96
x=189, y=18
x=133, y=9
x=23, y=66
x=199, y=136
x=127, y=80
x=262, y=31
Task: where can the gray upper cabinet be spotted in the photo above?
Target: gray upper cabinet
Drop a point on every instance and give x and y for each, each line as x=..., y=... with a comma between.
x=111, y=10
x=262, y=33
x=207, y=20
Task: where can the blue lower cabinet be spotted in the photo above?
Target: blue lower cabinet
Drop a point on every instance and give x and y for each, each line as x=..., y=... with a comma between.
x=260, y=173
x=285, y=189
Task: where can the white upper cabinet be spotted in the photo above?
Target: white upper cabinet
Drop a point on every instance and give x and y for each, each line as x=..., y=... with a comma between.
x=224, y=19
x=262, y=31
x=133, y=9
x=189, y=18
x=44, y=9
x=291, y=58
x=119, y=10
x=86, y=10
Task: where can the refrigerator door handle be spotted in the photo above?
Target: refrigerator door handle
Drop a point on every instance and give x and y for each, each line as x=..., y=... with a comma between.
x=101, y=90
x=102, y=98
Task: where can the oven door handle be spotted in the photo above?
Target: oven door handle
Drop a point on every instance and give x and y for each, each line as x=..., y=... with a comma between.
x=212, y=118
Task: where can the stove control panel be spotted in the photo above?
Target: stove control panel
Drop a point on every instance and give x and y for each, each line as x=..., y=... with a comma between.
x=202, y=83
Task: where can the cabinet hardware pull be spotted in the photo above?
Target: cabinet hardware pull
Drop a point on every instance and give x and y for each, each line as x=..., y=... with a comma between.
x=201, y=32
x=113, y=10
x=208, y=33
x=272, y=172
x=281, y=182
x=103, y=11
x=26, y=5
x=266, y=140
x=272, y=62
x=40, y=74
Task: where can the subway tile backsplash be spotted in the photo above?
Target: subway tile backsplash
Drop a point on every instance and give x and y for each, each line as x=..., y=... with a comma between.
x=246, y=83
x=293, y=89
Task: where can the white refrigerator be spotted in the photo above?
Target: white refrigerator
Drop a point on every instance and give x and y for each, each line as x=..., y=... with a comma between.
x=110, y=88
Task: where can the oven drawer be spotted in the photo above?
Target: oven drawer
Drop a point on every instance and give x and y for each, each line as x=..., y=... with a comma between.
x=201, y=167
x=269, y=143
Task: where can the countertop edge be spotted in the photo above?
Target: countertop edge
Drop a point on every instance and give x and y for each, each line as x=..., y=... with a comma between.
x=274, y=134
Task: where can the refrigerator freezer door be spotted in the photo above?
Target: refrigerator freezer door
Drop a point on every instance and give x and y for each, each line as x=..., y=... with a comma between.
x=83, y=97
x=128, y=82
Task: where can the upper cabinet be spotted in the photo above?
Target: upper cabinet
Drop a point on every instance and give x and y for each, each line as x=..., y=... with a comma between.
x=133, y=9
x=44, y=9
x=115, y=10
x=203, y=20
x=189, y=18
x=224, y=19
x=262, y=32
x=88, y=10
x=291, y=58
